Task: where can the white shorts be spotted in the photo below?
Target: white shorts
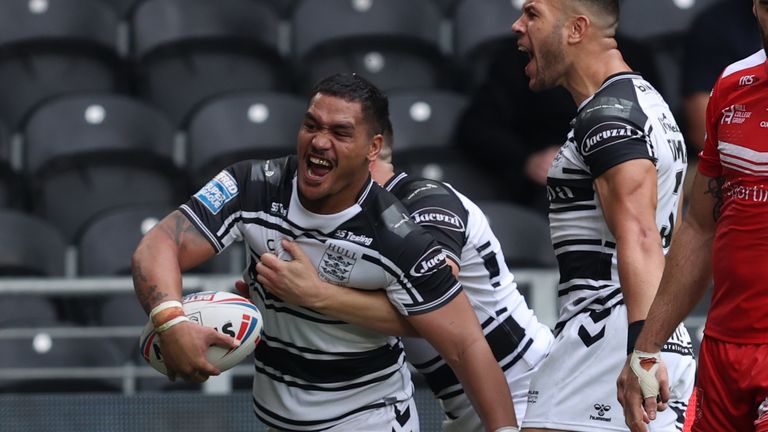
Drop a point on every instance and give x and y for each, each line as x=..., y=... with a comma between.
x=575, y=388
x=398, y=417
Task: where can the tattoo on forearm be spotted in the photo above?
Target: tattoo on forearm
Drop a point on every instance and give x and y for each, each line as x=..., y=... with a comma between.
x=147, y=293
x=715, y=188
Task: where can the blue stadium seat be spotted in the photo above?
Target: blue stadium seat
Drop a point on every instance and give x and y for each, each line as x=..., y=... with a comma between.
x=190, y=50
x=479, y=28
x=50, y=48
x=249, y=125
x=393, y=43
x=90, y=153
x=423, y=122
x=29, y=246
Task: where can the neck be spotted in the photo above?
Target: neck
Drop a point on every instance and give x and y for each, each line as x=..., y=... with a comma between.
x=592, y=67
x=382, y=171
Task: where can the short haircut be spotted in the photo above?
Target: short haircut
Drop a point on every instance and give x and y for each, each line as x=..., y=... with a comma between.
x=608, y=9
x=354, y=88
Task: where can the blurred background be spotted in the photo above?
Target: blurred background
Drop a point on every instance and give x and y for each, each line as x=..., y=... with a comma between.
x=112, y=112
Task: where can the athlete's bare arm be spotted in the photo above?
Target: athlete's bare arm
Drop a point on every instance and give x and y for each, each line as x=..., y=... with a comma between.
x=685, y=280
x=172, y=246
x=296, y=282
x=628, y=196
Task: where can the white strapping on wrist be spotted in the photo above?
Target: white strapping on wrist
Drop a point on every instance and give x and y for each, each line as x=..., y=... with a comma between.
x=507, y=429
x=163, y=306
x=645, y=365
x=170, y=324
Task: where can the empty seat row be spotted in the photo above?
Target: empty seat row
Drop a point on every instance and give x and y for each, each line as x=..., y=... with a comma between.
x=178, y=53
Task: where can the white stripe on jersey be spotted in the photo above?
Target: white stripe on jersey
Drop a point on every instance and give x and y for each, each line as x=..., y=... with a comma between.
x=743, y=159
x=751, y=61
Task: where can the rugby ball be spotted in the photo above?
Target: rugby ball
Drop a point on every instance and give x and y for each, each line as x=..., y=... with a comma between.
x=226, y=312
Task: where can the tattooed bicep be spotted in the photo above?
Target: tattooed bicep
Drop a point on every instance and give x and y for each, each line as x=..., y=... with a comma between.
x=181, y=230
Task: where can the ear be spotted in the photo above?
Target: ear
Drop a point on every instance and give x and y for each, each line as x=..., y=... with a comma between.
x=375, y=148
x=577, y=28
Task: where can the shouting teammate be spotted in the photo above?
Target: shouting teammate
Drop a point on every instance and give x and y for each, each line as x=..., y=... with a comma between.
x=614, y=190
x=315, y=372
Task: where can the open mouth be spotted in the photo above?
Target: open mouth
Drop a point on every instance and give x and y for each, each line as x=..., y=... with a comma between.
x=530, y=58
x=318, y=167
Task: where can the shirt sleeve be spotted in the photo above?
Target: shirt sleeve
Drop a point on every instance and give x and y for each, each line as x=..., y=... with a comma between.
x=215, y=209
x=607, y=141
x=709, y=157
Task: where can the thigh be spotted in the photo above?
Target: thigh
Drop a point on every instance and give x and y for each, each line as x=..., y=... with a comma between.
x=398, y=417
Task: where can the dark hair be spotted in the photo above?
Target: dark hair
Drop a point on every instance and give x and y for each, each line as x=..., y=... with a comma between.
x=354, y=88
x=608, y=7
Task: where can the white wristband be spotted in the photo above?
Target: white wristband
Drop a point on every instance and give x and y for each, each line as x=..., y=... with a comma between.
x=645, y=365
x=163, y=306
x=171, y=323
x=508, y=429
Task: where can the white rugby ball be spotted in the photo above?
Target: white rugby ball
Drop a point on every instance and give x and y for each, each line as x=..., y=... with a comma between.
x=226, y=312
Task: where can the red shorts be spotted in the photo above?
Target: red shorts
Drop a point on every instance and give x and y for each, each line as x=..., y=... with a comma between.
x=732, y=382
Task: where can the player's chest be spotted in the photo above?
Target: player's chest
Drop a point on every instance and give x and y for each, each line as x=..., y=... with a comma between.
x=743, y=118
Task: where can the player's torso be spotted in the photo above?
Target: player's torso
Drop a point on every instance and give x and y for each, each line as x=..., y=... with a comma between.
x=585, y=247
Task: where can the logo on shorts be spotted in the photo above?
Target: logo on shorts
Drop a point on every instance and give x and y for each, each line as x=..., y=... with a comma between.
x=602, y=410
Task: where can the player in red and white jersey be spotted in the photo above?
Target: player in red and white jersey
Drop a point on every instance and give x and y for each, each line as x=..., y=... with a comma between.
x=725, y=235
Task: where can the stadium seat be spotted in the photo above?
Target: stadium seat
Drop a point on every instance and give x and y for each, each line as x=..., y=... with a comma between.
x=661, y=25
x=250, y=125
x=89, y=153
x=50, y=48
x=465, y=177
x=423, y=122
x=29, y=246
x=27, y=311
x=123, y=7
x=479, y=28
x=36, y=354
x=190, y=50
x=393, y=43
x=12, y=193
x=523, y=234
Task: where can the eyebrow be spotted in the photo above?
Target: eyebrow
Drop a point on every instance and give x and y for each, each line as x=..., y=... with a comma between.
x=341, y=126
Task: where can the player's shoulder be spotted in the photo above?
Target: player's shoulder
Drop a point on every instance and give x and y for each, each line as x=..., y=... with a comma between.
x=744, y=72
x=267, y=171
x=387, y=216
x=412, y=189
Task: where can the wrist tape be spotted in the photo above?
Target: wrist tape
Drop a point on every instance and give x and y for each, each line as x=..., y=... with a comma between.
x=645, y=365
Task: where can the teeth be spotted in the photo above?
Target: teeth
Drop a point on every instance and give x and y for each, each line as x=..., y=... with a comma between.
x=319, y=161
x=522, y=48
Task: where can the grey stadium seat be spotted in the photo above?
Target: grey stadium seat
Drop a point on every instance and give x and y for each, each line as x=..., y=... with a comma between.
x=29, y=246
x=479, y=28
x=423, y=122
x=91, y=153
x=50, y=48
x=251, y=125
x=467, y=178
x=522, y=232
x=393, y=43
x=190, y=50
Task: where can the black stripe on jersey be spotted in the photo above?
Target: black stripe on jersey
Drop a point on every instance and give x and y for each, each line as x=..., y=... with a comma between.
x=577, y=242
x=274, y=303
x=258, y=408
x=504, y=340
x=352, y=369
x=580, y=287
x=212, y=239
x=599, y=305
x=574, y=171
x=569, y=191
x=580, y=207
x=491, y=264
x=484, y=246
x=591, y=265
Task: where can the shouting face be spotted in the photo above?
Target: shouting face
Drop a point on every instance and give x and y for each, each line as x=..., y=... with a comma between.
x=335, y=146
x=540, y=33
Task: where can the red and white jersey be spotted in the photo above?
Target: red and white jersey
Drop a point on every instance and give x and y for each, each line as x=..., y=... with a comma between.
x=736, y=148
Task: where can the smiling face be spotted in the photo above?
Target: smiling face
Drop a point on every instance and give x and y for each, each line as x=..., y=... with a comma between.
x=540, y=33
x=335, y=147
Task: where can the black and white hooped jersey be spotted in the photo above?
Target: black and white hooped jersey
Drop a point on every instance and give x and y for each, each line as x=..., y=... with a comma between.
x=314, y=371
x=462, y=229
x=625, y=119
